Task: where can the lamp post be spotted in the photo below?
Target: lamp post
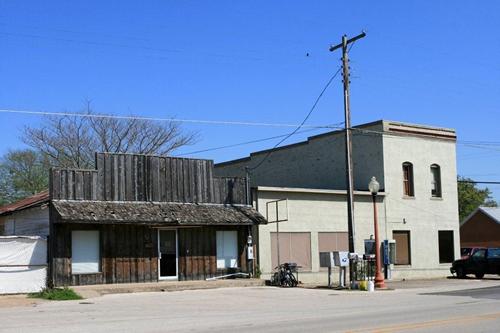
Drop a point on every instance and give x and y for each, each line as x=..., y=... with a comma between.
x=374, y=186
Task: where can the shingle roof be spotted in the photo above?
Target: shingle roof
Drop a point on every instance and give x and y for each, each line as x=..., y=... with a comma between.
x=156, y=213
x=28, y=202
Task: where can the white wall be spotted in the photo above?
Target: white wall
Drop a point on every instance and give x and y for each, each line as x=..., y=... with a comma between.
x=424, y=215
x=316, y=211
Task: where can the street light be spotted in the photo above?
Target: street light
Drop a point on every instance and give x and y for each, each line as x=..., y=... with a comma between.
x=374, y=186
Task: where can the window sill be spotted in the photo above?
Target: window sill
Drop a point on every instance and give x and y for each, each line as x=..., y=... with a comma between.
x=437, y=198
x=407, y=197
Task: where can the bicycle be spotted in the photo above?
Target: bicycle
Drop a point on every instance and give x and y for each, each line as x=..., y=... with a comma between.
x=284, y=277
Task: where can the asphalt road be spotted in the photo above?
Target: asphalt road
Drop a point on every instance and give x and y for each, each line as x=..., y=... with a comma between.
x=471, y=306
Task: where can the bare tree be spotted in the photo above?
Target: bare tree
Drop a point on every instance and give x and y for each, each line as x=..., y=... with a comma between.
x=71, y=141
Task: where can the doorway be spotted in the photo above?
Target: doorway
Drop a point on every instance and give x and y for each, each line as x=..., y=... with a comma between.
x=167, y=254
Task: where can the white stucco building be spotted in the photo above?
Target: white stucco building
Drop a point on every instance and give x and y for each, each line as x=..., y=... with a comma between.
x=418, y=204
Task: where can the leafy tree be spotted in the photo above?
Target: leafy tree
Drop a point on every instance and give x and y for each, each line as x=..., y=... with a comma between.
x=470, y=197
x=22, y=173
x=71, y=141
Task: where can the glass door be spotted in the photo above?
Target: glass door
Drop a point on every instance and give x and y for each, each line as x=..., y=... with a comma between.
x=167, y=250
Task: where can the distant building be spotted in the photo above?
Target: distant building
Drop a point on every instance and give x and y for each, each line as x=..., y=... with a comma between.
x=418, y=206
x=481, y=228
x=26, y=217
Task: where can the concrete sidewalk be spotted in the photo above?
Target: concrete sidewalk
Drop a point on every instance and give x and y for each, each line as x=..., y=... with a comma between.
x=124, y=288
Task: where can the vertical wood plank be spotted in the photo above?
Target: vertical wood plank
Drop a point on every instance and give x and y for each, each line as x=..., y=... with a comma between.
x=95, y=186
x=180, y=182
x=209, y=181
x=100, y=176
x=162, y=180
x=129, y=184
x=78, y=185
x=174, y=191
x=55, y=184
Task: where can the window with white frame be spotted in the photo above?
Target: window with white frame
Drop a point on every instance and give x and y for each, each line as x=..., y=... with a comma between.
x=85, y=253
x=227, y=249
x=435, y=181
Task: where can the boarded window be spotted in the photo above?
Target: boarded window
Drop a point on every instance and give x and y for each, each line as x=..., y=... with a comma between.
x=408, y=189
x=85, y=253
x=333, y=241
x=446, y=248
x=435, y=181
x=403, y=249
x=293, y=247
x=227, y=249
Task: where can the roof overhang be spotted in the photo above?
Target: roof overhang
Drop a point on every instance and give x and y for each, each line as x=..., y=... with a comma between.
x=38, y=199
x=154, y=213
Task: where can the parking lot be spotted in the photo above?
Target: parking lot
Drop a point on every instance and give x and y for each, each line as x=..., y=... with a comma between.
x=462, y=305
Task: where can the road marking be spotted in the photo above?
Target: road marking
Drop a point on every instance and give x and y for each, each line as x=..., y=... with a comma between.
x=427, y=324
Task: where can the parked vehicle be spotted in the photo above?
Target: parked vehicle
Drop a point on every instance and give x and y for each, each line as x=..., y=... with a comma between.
x=482, y=261
x=466, y=252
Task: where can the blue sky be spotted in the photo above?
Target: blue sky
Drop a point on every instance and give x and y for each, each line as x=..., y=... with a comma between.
x=432, y=63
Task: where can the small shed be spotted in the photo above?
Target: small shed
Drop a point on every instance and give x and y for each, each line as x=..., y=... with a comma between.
x=481, y=228
x=141, y=218
x=26, y=217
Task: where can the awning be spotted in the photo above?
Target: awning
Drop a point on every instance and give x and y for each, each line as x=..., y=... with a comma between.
x=155, y=213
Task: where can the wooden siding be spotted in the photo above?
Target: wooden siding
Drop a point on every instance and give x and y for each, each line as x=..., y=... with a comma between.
x=126, y=177
x=129, y=253
x=480, y=231
x=197, y=252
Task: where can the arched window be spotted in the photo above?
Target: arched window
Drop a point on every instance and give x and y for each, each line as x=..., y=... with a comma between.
x=435, y=181
x=408, y=189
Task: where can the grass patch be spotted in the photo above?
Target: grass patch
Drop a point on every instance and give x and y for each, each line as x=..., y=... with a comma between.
x=56, y=294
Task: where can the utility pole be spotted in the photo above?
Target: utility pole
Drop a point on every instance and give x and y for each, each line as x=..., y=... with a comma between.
x=348, y=137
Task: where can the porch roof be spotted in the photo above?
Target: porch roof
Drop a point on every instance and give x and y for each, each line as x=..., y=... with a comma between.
x=155, y=213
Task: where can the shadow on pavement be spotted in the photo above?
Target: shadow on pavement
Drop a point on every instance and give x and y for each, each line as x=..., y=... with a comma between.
x=480, y=293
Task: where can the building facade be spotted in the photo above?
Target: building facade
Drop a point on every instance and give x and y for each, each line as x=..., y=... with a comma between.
x=138, y=218
x=416, y=168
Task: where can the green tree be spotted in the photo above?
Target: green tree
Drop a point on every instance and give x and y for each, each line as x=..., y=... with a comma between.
x=470, y=197
x=22, y=173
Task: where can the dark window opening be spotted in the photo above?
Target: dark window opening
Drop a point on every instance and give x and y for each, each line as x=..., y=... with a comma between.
x=408, y=189
x=446, y=248
x=436, y=181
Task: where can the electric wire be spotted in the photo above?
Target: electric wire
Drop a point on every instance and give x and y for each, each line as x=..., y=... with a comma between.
x=301, y=124
x=195, y=121
x=246, y=142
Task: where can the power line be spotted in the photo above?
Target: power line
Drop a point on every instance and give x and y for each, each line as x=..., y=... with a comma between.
x=245, y=143
x=301, y=124
x=195, y=121
x=477, y=182
x=121, y=45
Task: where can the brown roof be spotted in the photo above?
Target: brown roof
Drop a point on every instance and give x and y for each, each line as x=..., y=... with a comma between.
x=34, y=200
x=155, y=213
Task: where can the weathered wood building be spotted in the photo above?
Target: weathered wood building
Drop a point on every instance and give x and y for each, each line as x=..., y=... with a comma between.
x=138, y=218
